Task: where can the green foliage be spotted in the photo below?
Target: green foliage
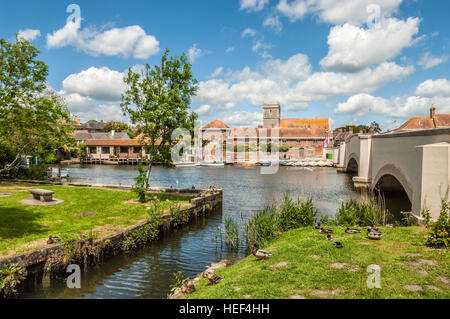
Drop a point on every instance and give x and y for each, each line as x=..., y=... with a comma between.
x=262, y=227
x=284, y=148
x=407, y=220
x=179, y=216
x=231, y=232
x=32, y=172
x=140, y=187
x=157, y=101
x=296, y=214
x=10, y=277
x=426, y=217
x=33, y=119
x=116, y=126
x=176, y=282
x=438, y=235
x=327, y=220
x=82, y=150
x=140, y=236
x=368, y=213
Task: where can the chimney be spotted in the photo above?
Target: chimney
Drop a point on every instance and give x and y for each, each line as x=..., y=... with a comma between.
x=78, y=121
x=432, y=112
x=112, y=133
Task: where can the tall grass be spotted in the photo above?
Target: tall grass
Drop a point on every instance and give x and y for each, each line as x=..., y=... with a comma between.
x=296, y=214
x=367, y=211
x=231, y=232
x=262, y=227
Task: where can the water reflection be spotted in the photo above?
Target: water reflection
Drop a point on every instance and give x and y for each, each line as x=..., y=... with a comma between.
x=147, y=273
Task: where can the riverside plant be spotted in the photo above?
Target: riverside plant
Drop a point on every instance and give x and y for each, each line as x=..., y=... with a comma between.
x=231, y=232
x=10, y=277
x=368, y=211
x=439, y=235
x=176, y=281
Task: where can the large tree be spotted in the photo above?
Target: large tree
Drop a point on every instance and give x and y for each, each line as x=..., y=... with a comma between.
x=33, y=119
x=157, y=101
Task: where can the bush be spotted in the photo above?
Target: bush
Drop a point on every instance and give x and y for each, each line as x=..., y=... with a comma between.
x=284, y=148
x=10, y=277
x=295, y=215
x=439, y=232
x=326, y=220
x=369, y=213
x=82, y=150
x=262, y=227
x=32, y=172
x=139, y=186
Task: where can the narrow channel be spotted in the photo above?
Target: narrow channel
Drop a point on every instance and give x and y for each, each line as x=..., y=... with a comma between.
x=147, y=273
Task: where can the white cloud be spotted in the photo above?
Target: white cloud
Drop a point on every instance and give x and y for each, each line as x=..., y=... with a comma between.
x=230, y=49
x=194, y=53
x=432, y=88
x=336, y=12
x=97, y=83
x=217, y=72
x=428, y=61
x=242, y=119
x=253, y=5
x=353, y=48
x=29, y=34
x=427, y=93
x=125, y=42
x=203, y=109
x=292, y=83
x=248, y=32
x=273, y=21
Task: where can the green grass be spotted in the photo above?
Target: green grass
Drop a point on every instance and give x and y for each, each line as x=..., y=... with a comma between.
x=305, y=275
x=24, y=227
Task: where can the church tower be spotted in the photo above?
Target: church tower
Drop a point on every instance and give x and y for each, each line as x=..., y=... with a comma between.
x=271, y=115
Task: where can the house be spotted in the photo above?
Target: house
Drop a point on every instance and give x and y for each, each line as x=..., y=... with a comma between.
x=426, y=122
x=114, y=149
x=89, y=127
x=82, y=137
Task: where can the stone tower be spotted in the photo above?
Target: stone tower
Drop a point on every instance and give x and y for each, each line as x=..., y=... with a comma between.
x=271, y=115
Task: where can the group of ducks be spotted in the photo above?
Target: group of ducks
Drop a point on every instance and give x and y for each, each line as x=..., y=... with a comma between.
x=373, y=233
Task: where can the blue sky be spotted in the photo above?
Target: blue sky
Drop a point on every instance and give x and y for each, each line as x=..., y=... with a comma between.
x=345, y=60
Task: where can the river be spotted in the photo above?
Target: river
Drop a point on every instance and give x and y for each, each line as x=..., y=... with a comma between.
x=147, y=273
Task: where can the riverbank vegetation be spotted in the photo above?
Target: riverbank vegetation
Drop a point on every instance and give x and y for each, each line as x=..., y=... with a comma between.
x=306, y=265
x=88, y=212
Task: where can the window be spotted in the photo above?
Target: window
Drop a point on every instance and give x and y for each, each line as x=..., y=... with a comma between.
x=137, y=149
x=299, y=141
x=93, y=150
x=105, y=150
x=283, y=141
x=124, y=149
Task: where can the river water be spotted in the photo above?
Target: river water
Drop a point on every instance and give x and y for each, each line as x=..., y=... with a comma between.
x=147, y=273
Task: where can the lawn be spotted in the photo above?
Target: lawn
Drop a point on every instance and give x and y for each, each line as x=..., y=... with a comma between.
x=305, y=265
x=23, y=228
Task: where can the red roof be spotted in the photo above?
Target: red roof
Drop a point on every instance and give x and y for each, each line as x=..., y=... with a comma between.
x=216, y=124
x=426, y=122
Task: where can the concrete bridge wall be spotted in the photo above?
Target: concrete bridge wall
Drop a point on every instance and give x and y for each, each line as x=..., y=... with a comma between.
x=418, y=160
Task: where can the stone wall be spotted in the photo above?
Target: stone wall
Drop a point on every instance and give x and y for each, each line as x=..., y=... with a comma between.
x=51, y=260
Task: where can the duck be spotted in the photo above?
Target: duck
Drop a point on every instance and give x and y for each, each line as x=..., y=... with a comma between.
x=352, y=230
x=374, y=236
x=259, y=253
x=188, y=287
x=212, y=277
x=53, y=240
x=317, y=226
x=325, y=231
x=338, y=244
x=374, y=230
x=391, y=225
x=329, y=237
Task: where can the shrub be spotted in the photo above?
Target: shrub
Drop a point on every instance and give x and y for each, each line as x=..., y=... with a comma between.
x=326, y=220
x=139, y=186
x=439, y=232
x=176, y=282
x=407, y=220
x=231, y=232
x=262, y=227
x=10, y=277
x=295, y=215
x=284, y=148
x=368, y=213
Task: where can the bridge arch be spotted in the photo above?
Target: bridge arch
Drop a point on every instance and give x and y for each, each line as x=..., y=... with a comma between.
x=352, y=165
x=392, y=182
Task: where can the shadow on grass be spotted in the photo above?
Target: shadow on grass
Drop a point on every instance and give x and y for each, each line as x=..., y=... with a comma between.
x=17, y=222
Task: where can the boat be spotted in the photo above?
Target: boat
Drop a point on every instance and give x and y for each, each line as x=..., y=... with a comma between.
x=212, y=164
x=185, y=164
x=111, y=162
x=263, y=163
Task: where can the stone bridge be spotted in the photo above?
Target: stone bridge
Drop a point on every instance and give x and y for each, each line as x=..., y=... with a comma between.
x=415, y=163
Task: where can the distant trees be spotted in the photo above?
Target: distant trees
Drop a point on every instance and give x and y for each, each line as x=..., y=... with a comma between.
x=157, y=101
x=116, y=126
x=33, y=119
x=362, y=128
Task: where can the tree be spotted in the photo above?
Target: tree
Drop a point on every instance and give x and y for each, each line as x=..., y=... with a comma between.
x=116, y=126
x=375, y=126
x=33, y=119
x=157, y=102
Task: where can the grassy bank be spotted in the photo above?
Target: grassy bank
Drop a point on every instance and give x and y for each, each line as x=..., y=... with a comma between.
x=305, y=265
x=24, y=228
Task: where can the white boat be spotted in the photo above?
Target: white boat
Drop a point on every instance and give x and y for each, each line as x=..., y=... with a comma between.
x=184, y=164
x=309, y=169
x=212, y=164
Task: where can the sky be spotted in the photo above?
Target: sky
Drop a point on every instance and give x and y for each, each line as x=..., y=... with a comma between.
x=352, y=61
